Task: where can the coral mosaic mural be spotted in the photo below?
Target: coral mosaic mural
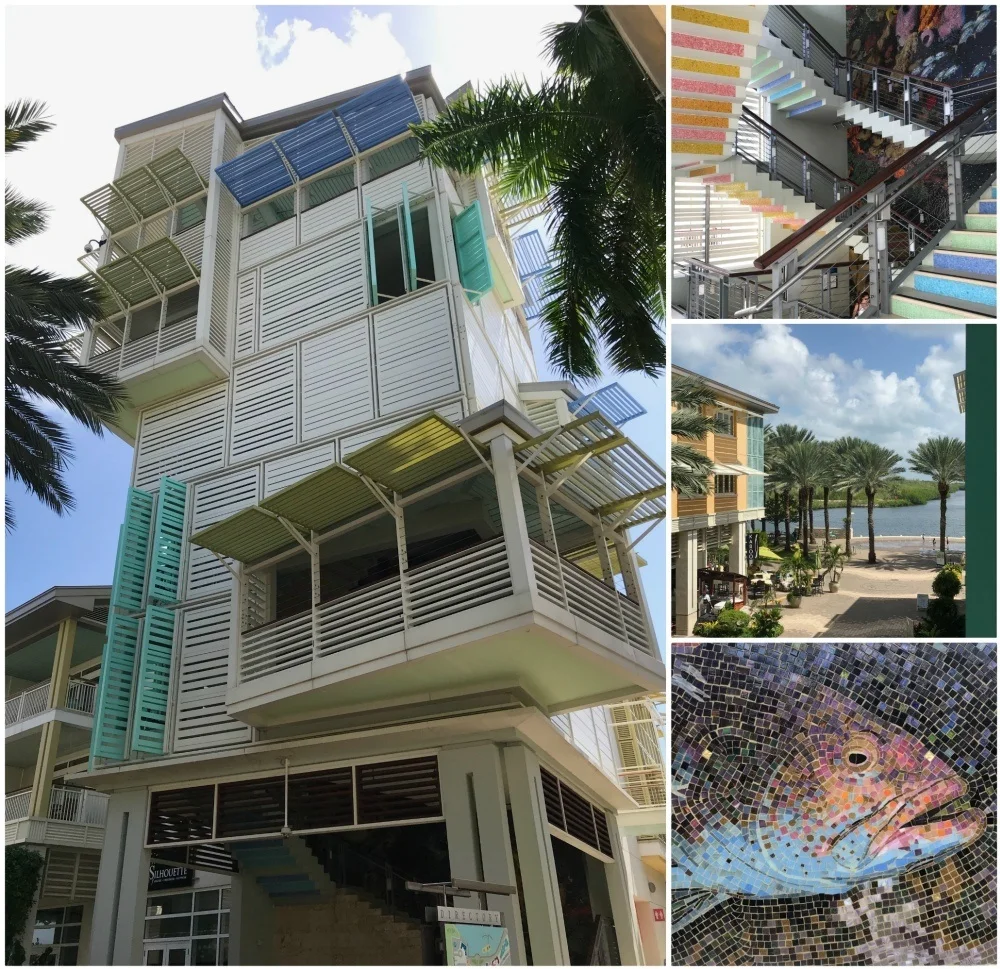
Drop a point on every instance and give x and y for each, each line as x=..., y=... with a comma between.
x=834, y=804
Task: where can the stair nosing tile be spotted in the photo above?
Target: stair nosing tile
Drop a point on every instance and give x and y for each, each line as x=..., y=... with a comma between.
x=945, y=302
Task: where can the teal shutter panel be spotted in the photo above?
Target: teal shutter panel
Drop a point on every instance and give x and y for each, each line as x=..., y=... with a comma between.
x=168, y=538
x=372, y=277
x=411, y=252
x=473, y=256
x=109, y=738
x=153, y=688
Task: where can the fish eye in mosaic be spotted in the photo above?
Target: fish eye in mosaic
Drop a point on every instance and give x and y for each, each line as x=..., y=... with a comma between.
x=834, y=804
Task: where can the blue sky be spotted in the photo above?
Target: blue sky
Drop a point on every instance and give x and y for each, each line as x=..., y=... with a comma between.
x=273, y=57
x=888, y=382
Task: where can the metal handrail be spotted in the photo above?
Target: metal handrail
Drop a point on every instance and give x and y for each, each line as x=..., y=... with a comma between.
x=860, y=193
x=758, y=122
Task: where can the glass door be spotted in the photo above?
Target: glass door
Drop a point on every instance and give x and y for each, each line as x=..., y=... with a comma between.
x=168, y=954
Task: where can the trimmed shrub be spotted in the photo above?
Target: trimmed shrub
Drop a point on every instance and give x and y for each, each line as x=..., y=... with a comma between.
x=22, y=872
x=947, y=584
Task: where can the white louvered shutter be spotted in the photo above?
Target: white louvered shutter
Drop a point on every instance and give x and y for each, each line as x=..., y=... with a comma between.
x=246, y=314
x=285, y=471
x=337, y=390
x=263, y=406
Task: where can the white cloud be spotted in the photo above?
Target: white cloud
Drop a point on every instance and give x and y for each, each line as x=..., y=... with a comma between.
x=829, y=395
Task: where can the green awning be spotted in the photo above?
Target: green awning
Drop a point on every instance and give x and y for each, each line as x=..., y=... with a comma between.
x=175, y=172
x=425, y=450
x=247, y=536
x=110, y=209
x=148, y=272
x=402, y=461
x=324, y=499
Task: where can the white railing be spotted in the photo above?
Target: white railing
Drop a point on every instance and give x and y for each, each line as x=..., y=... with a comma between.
x=106, y=362
x=73, y=804
x=421, y=595
x=146, y=348
x=78, y=805
x=27, y=704
x=588, y=598
x=15, y=807
x=79, y=696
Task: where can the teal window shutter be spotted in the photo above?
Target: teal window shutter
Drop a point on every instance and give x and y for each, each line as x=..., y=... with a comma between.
x=473, y=256
x=411, y=252
x=114, y=693
x=168, y=538
x=153, y=688
x=372, y=277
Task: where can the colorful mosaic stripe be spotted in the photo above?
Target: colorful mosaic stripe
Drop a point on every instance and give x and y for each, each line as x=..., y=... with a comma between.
x=705, y=18
x=711, y=44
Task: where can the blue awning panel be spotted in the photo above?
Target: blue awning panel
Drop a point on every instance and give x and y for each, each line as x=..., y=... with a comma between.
x=380, y=114
x=531, y=255
x=255, y=174
x=315, y=145
x=534, y=290
x=613, y=401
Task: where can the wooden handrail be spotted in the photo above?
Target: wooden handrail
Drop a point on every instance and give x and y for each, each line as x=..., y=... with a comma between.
x=787, y=245
x=758, y=272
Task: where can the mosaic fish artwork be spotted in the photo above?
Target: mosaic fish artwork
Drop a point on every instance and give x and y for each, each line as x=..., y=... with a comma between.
x=791, y=786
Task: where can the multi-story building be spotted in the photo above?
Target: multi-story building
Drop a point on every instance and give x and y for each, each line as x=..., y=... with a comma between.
x=52, y=662
x=702, y=524
x=368, y=562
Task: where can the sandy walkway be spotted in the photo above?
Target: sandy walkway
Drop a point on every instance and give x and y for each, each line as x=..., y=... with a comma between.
x=877, y=601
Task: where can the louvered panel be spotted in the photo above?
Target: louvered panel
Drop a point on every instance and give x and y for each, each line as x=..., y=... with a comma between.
x=330, y=216
x=220, y=497
x=206, y=575
x=579, y=816
x=320, y=283
x=251, y=807
x=398, y=790
x=168, y=537
x=167, y=141
x=155, y=229
x=495, y=324
x=605, y=745
x=415, y=353
x=181, y=814
x=70, y=874
x=191, y=242
x=421, y=102
x=267, y=244
x=603, y=834
x=321, y=799
x=282, y=472
x=153, y=687
x=182, y=438
x=337, y=390
x=225, y=242
x=314, y=146
x=129, y=583
x=198, y=147
x=246, y=314
x=379, y=114
x=473, y=255
x=453, y=412
x=202, y=722
x=114, y=691
x=735, y=232
x=387, y=191
x=553, y=800
x=137, y=154
x=486, y=382
x=510, y=393
x=542, y=413
x=263, y=406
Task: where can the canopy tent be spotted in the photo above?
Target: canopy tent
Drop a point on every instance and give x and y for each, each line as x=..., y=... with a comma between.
x=403, y=461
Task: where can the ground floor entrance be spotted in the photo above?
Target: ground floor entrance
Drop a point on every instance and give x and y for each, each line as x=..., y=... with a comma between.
x=167, y=954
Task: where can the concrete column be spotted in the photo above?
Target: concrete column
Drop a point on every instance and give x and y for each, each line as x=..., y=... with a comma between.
x=686, y=594
x=620, y=893
x=515, y=530
x=45, y=762
x=738, y=547
x=251, y=924
x=475, y=814
x=539, y=881
x=62, y=662
x=120, y=905
x=633, y=584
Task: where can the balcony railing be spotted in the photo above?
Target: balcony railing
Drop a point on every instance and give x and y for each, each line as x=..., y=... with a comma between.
x=587, y=598
x=73, y=804
x=146, y=348
x=79, y=697
x=420, y=595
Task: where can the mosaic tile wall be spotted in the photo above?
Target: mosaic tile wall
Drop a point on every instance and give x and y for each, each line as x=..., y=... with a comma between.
x=834, y=804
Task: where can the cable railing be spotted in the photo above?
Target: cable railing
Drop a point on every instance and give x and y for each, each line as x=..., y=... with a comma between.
x=796, y=33
x=891, y=243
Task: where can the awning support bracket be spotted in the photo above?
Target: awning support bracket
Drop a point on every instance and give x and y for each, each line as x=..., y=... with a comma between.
x=233, y=571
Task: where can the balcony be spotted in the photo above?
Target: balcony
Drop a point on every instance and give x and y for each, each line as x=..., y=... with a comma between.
x=459, y=581
x=75, y=818
x=79, y=698
x=26, y=712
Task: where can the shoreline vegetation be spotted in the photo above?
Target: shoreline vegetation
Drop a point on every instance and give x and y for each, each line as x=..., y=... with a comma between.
x=897, y=494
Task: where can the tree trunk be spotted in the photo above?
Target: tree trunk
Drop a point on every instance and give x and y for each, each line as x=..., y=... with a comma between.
x=943, y=492
x=847, y=527
x=788, y=523
x=804, y=531
x=826, y=515
x=777, y=525
x=812, y=531
x=871, y=525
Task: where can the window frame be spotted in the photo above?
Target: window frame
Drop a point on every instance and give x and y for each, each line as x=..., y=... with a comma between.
x=718, y=483
x=721, y=410
x=246, y=213
x=223, y=906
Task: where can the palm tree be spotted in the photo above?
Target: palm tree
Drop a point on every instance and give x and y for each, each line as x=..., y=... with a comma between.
x=871, y=467
x=831, y=478
x=842, y=450
x=780, y=438
x=799, y=467
x=43, y=312
x=591, y=142
x=943, y=459
x=689, y=467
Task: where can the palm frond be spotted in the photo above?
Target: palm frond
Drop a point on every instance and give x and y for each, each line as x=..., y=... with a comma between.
x=23, y=217
x=24, y=122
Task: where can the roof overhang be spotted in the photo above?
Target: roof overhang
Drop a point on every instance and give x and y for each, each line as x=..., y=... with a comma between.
x=754, y=404
x=37, y=615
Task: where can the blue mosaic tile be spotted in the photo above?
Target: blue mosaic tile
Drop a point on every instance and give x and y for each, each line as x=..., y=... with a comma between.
x=956, y=288
x=987, y=265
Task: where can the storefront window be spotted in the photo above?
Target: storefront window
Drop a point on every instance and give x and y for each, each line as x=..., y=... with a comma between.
x=56, y=937
x=202, y=918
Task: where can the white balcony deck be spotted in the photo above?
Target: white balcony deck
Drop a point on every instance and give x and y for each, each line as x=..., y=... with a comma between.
x=30, y=703
x=76, y=818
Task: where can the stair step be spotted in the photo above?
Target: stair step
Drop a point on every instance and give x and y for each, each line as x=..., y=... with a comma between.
x=804, y=108
x=968, y=240
x=804, y=95
x=991, y=192
x=786, y=90
x=927, y=281
x=984, y=207
x=935, y=304
x=942, y=258
x=981, y=223
x=704, y=120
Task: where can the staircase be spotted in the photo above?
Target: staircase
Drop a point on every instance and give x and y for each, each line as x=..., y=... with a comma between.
x=958, y=280
x=321, y=923
x=712, y=52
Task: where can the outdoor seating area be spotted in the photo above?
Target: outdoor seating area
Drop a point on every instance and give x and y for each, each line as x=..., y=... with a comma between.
x=717, y=590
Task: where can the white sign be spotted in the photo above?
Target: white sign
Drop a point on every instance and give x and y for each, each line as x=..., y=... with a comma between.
x=469, y=916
